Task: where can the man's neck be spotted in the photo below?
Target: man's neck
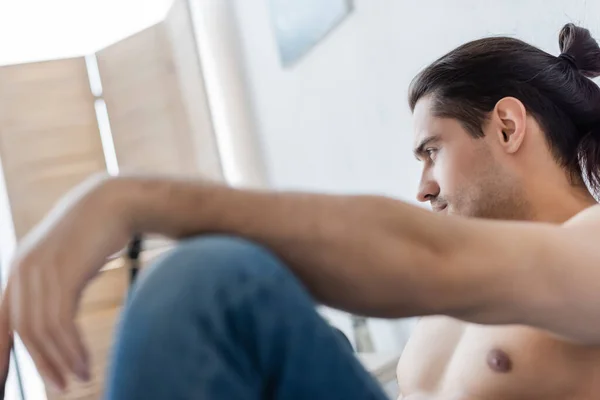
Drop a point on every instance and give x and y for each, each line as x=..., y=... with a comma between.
x=558, y=203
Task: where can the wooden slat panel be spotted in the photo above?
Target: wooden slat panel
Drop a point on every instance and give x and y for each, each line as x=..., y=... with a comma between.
x=156, y=100
x=150, y=132
x=107, y=290
x=49, y=139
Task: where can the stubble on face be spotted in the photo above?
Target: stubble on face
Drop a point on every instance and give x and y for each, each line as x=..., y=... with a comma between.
x=491, y=193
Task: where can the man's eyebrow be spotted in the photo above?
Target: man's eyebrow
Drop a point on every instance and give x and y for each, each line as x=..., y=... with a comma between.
x=420, y=149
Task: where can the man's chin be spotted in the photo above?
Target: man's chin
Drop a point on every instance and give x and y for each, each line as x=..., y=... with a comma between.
x=458, y=213
x=449, y=210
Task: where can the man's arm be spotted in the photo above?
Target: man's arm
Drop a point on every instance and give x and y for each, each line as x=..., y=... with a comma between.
x=367, y=254
x=382, y=257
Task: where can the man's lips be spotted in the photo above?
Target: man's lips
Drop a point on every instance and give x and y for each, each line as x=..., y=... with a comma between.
x=439, y=208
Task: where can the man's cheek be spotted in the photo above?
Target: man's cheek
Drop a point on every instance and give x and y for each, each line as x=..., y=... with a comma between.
x=445, y=179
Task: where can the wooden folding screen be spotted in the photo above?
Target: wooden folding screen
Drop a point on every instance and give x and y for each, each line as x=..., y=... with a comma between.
x=160, y=120
x=49, y=142
x=156, y=100
x=49, y=139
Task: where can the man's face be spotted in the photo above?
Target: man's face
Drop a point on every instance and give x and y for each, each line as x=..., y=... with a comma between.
x=461, y=174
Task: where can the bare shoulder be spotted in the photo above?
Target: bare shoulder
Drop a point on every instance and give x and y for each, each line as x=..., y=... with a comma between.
x=590, y=218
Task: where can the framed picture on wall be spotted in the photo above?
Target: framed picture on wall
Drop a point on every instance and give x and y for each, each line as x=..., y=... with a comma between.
x=299, y=25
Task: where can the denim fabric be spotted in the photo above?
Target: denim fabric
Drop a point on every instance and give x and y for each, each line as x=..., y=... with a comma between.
x=223, y=318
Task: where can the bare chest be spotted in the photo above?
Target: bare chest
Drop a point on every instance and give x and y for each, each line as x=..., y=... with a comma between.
x=455, y=360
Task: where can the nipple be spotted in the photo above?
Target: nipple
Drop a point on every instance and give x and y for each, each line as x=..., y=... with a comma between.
x=499, y=361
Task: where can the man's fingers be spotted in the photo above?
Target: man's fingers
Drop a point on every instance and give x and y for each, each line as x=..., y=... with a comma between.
x=73, y=335
x=64, y=332
x=68, y=343
x=6, y=343
x=36, y=330
x=5, y=331
x=47, y=369
x=51, y=335
x=5, y=352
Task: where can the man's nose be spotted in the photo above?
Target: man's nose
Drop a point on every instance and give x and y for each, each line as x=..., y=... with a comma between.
x=428, y=190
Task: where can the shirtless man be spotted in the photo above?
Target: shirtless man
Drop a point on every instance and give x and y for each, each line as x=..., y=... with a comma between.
x=501, y=129
x=471, y=167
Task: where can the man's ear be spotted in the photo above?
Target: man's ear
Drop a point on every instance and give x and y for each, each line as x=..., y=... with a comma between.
x=510, y=123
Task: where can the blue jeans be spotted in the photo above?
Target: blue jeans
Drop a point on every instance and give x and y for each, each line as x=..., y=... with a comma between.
x=221, y=318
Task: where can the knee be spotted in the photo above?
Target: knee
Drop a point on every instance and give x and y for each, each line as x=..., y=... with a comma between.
x=206, y=270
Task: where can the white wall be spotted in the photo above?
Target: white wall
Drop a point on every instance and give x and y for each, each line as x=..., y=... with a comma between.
x=338, y=120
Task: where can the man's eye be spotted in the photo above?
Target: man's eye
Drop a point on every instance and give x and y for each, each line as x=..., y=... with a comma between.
x=431, y=152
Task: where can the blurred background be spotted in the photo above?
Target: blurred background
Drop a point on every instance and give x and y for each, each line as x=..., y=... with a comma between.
x=282, y=94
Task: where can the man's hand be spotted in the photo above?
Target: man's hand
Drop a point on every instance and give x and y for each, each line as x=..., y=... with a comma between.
x=6, y=343
x=50, y=270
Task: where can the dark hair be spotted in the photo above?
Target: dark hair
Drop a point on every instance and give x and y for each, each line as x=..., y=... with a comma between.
x=466, y=84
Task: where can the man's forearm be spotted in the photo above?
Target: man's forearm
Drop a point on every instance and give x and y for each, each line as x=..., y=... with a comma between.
x=365, y=254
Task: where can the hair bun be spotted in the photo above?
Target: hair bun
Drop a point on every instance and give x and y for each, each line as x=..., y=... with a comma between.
x=579, y=47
